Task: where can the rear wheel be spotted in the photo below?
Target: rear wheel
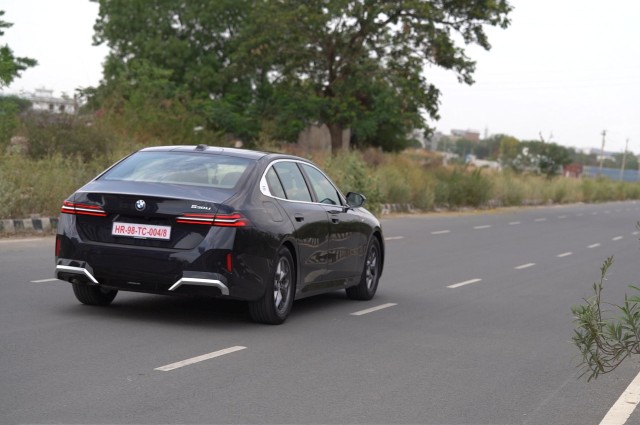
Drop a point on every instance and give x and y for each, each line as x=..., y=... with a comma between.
x=275, y=305
x=366, y=289
x=93, y=295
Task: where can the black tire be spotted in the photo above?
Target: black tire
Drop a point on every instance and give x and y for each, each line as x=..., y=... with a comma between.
x=275, y=305
x=368, y=285
x=93, y=295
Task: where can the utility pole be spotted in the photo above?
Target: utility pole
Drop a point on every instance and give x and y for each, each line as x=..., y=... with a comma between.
x=604, y=133
x=624, y=160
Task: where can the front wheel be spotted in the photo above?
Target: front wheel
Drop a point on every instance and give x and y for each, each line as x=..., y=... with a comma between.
x=275, y=305
x=366, y=289
x=93, y=295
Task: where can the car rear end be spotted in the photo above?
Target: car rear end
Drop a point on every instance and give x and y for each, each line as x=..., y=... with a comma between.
x=161, y=221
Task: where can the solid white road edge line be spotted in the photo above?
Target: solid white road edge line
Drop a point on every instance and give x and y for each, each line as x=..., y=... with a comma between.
x=525, y=266
x=372, y=309
x=201, y=358
x=626, y=404
x=44, y=280
x=466, y=282
x=564, y=254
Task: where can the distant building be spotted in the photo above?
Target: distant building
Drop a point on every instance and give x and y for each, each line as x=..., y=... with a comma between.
x=471, y=135
x=44, y=101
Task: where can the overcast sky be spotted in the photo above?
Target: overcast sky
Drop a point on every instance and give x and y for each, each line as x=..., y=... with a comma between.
x=564, y=69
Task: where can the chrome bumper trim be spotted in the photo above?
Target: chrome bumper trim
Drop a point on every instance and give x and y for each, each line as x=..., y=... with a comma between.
x=76, y=270
x=201, y=282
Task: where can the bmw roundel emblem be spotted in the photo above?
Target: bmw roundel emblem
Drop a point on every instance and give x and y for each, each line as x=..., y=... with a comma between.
x=140, y=204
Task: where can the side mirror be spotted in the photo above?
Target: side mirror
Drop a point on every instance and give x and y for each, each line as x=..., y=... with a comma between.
x=355, y=200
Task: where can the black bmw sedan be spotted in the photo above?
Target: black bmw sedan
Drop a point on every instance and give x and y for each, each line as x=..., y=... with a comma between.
x=208, y=221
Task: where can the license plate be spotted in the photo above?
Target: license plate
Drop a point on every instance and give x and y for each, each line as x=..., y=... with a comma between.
x=144, y=231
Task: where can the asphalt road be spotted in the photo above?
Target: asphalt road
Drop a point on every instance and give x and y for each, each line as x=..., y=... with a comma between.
x=475, y=329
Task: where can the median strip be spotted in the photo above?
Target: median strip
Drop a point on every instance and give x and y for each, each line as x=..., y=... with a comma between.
x=199, y=359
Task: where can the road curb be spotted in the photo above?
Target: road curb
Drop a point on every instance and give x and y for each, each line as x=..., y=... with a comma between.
x=34, y=224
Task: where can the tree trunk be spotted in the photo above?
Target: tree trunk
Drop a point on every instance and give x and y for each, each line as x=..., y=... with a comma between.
x=337, y=144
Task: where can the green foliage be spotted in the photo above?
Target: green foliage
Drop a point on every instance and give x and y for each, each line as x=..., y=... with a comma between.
x=603, y=342
x=260, y=69
x=39, y=186
x=10, y=106
x=11, y=66
x=351, y=174
x=50, y=135
x=458, y=188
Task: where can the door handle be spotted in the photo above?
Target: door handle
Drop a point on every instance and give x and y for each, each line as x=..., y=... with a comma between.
x=299, y=217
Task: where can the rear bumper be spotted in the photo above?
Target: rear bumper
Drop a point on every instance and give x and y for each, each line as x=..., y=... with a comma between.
x=82, y=272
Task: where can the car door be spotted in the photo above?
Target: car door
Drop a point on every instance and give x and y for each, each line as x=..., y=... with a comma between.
x=309, y=219
x=348, y=234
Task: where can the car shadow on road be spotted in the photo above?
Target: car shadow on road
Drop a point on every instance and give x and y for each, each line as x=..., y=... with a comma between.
x=197, y=312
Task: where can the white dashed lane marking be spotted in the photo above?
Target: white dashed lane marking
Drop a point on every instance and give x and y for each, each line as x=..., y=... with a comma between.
x=540, y=219
x=466, y=282
x=440, y=232
x=199, y=359
x=44, y=280
x=485, y=226
x=564, y=254
x=394, y=238
x=617, y=238
x=525, y=266
x=372, y=309
x=595, y=245
x=513, y=223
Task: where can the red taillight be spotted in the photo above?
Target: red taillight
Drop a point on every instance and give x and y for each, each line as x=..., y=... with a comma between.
x=58, y=245
x=82, y=209
x=221, y=220
x=229, y=263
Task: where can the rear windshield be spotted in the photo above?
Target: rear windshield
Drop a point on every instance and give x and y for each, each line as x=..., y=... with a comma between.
x=219, y=171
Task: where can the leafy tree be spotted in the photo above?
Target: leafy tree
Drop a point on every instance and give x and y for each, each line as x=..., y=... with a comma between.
x=346, y=54
x=10, y=108
x=175, y=52
x=11, y=66
x=509, y=150
x=247, y=66
x=605, y=343
x=547, y=157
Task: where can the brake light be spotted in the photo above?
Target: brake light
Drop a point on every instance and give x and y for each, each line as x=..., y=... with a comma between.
x=58, y=245
x=220, y=220
x=229, y=262
x=82, y=209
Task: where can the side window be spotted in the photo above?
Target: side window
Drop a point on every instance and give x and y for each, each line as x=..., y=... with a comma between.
x=325, y=191
x=275, y=187
x=292, y=181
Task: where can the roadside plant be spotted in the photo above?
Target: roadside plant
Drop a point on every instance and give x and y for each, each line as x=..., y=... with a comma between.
x=605, y=342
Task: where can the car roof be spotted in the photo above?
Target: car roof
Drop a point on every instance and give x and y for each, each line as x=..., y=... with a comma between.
x=216, y=150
